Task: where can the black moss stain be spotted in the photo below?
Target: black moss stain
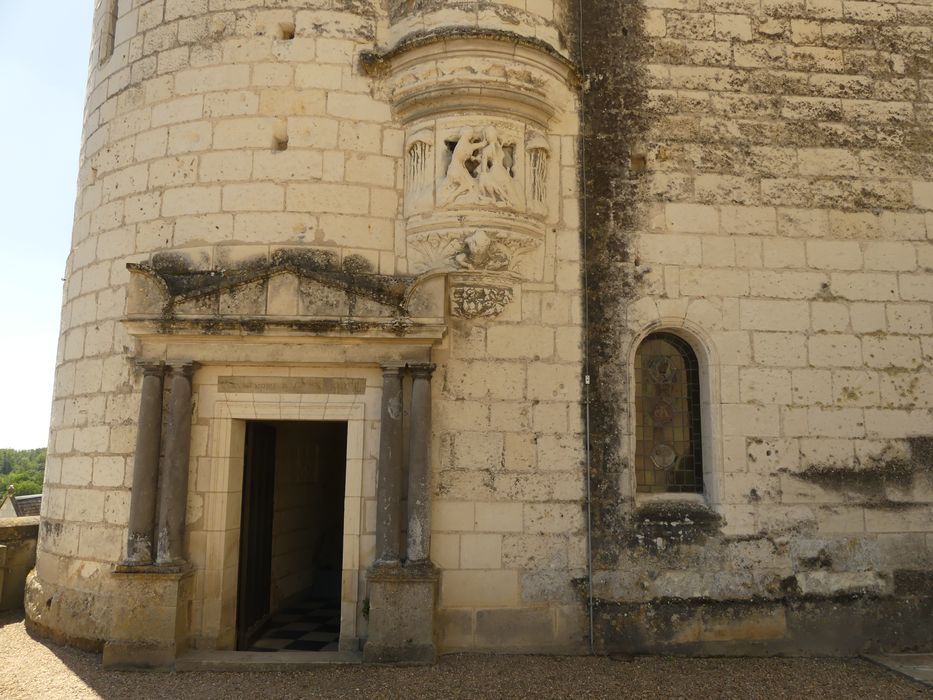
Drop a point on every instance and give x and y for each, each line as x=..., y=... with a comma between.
x=656, y=527
x=614, y=103
x=845, y=624
x=870, y=482
x=354, y=276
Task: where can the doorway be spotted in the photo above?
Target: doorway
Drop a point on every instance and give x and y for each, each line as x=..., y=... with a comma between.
x=291, y=536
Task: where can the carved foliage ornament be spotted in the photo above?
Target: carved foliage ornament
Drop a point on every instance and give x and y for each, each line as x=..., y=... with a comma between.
x=479, y=301
x=480, y=249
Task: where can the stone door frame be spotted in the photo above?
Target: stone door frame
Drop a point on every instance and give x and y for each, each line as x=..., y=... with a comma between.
x=226, y=426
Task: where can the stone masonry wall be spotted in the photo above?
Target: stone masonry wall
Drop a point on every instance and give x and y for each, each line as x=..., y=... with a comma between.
x=757, y=177
x=221, y=130
x=770, y=198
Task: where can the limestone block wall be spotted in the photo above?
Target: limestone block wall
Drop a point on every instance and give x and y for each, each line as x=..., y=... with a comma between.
x=509, y=532
x=774, y=207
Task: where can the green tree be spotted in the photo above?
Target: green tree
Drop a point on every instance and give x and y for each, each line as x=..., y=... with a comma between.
x=24, y=469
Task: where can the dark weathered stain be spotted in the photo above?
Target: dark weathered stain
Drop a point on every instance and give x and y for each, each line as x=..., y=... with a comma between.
x=657, y=526
x=836, y=625
x=913, y=582
x=869, y=482
x=614, y=120
x=355, y=275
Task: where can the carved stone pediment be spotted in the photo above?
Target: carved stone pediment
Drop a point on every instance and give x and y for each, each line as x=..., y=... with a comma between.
x=308, y=291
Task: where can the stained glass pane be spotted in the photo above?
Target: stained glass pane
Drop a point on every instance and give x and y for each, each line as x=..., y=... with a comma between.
x=668, y=454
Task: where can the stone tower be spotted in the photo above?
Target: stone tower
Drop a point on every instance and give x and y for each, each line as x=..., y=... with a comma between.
x=289, y=213
x=506, y=326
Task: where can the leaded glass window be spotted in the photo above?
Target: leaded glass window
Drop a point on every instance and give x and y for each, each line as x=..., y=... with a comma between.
x=668, y=453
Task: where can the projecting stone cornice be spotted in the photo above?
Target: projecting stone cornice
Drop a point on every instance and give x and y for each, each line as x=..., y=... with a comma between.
x=375, y=61
x=461, y=70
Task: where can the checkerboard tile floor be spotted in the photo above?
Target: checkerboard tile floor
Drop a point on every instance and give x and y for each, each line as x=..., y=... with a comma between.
x=312, y=625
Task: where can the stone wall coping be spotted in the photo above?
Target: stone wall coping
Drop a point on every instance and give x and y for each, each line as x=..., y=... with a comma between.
x=16, y=529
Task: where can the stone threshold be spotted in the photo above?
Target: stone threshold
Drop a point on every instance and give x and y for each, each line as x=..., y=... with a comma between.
x=206, y=660
x=917, y=667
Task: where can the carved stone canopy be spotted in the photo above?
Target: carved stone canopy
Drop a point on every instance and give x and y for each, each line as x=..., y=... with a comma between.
x=493, y=73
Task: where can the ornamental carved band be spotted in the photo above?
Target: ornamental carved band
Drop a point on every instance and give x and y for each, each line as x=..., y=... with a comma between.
x=479, y=302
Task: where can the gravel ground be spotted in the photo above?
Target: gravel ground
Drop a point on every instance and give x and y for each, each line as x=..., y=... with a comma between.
x=31, y=668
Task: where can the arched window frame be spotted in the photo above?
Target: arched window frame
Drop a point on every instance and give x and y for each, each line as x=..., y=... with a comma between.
x=710, y=377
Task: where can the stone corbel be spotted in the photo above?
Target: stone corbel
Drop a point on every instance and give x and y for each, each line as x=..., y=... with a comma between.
x=476, y=295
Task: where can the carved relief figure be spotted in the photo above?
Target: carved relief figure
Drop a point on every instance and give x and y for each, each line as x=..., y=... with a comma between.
x=481, y=252
x=496, y=176
x=481, y=171
x=459, y=180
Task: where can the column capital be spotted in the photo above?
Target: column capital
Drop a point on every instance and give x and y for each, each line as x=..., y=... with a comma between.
x=422, y=369
x=391, y=368
x=151, y=368
x=184, y=368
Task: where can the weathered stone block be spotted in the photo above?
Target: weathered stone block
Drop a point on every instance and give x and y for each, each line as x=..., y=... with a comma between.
x=402, y=602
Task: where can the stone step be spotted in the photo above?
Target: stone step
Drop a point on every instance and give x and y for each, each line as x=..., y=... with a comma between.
x=204, y=660
x=918, y=667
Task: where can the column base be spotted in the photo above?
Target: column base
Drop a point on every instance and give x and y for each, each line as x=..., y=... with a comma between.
x=402, y=600
x=152, y=627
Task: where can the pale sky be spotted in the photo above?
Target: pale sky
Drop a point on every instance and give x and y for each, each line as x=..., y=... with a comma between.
x=44, y=49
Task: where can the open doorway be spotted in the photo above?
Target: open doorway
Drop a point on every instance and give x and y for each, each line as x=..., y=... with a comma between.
x=291, y=536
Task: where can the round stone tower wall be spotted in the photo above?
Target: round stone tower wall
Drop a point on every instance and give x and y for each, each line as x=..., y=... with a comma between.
x=211, y=131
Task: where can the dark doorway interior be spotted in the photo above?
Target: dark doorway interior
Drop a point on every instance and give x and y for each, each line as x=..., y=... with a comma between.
x=291, y=537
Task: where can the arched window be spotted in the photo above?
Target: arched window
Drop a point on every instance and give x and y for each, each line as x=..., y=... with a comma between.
x=668, y=451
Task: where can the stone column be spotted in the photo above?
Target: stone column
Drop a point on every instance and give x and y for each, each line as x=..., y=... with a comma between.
x=419, y=465
x=173, y=487
x=139, y=549
x=389, y=480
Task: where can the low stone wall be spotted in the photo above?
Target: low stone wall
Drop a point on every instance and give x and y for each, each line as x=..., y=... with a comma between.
x=17, y=558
